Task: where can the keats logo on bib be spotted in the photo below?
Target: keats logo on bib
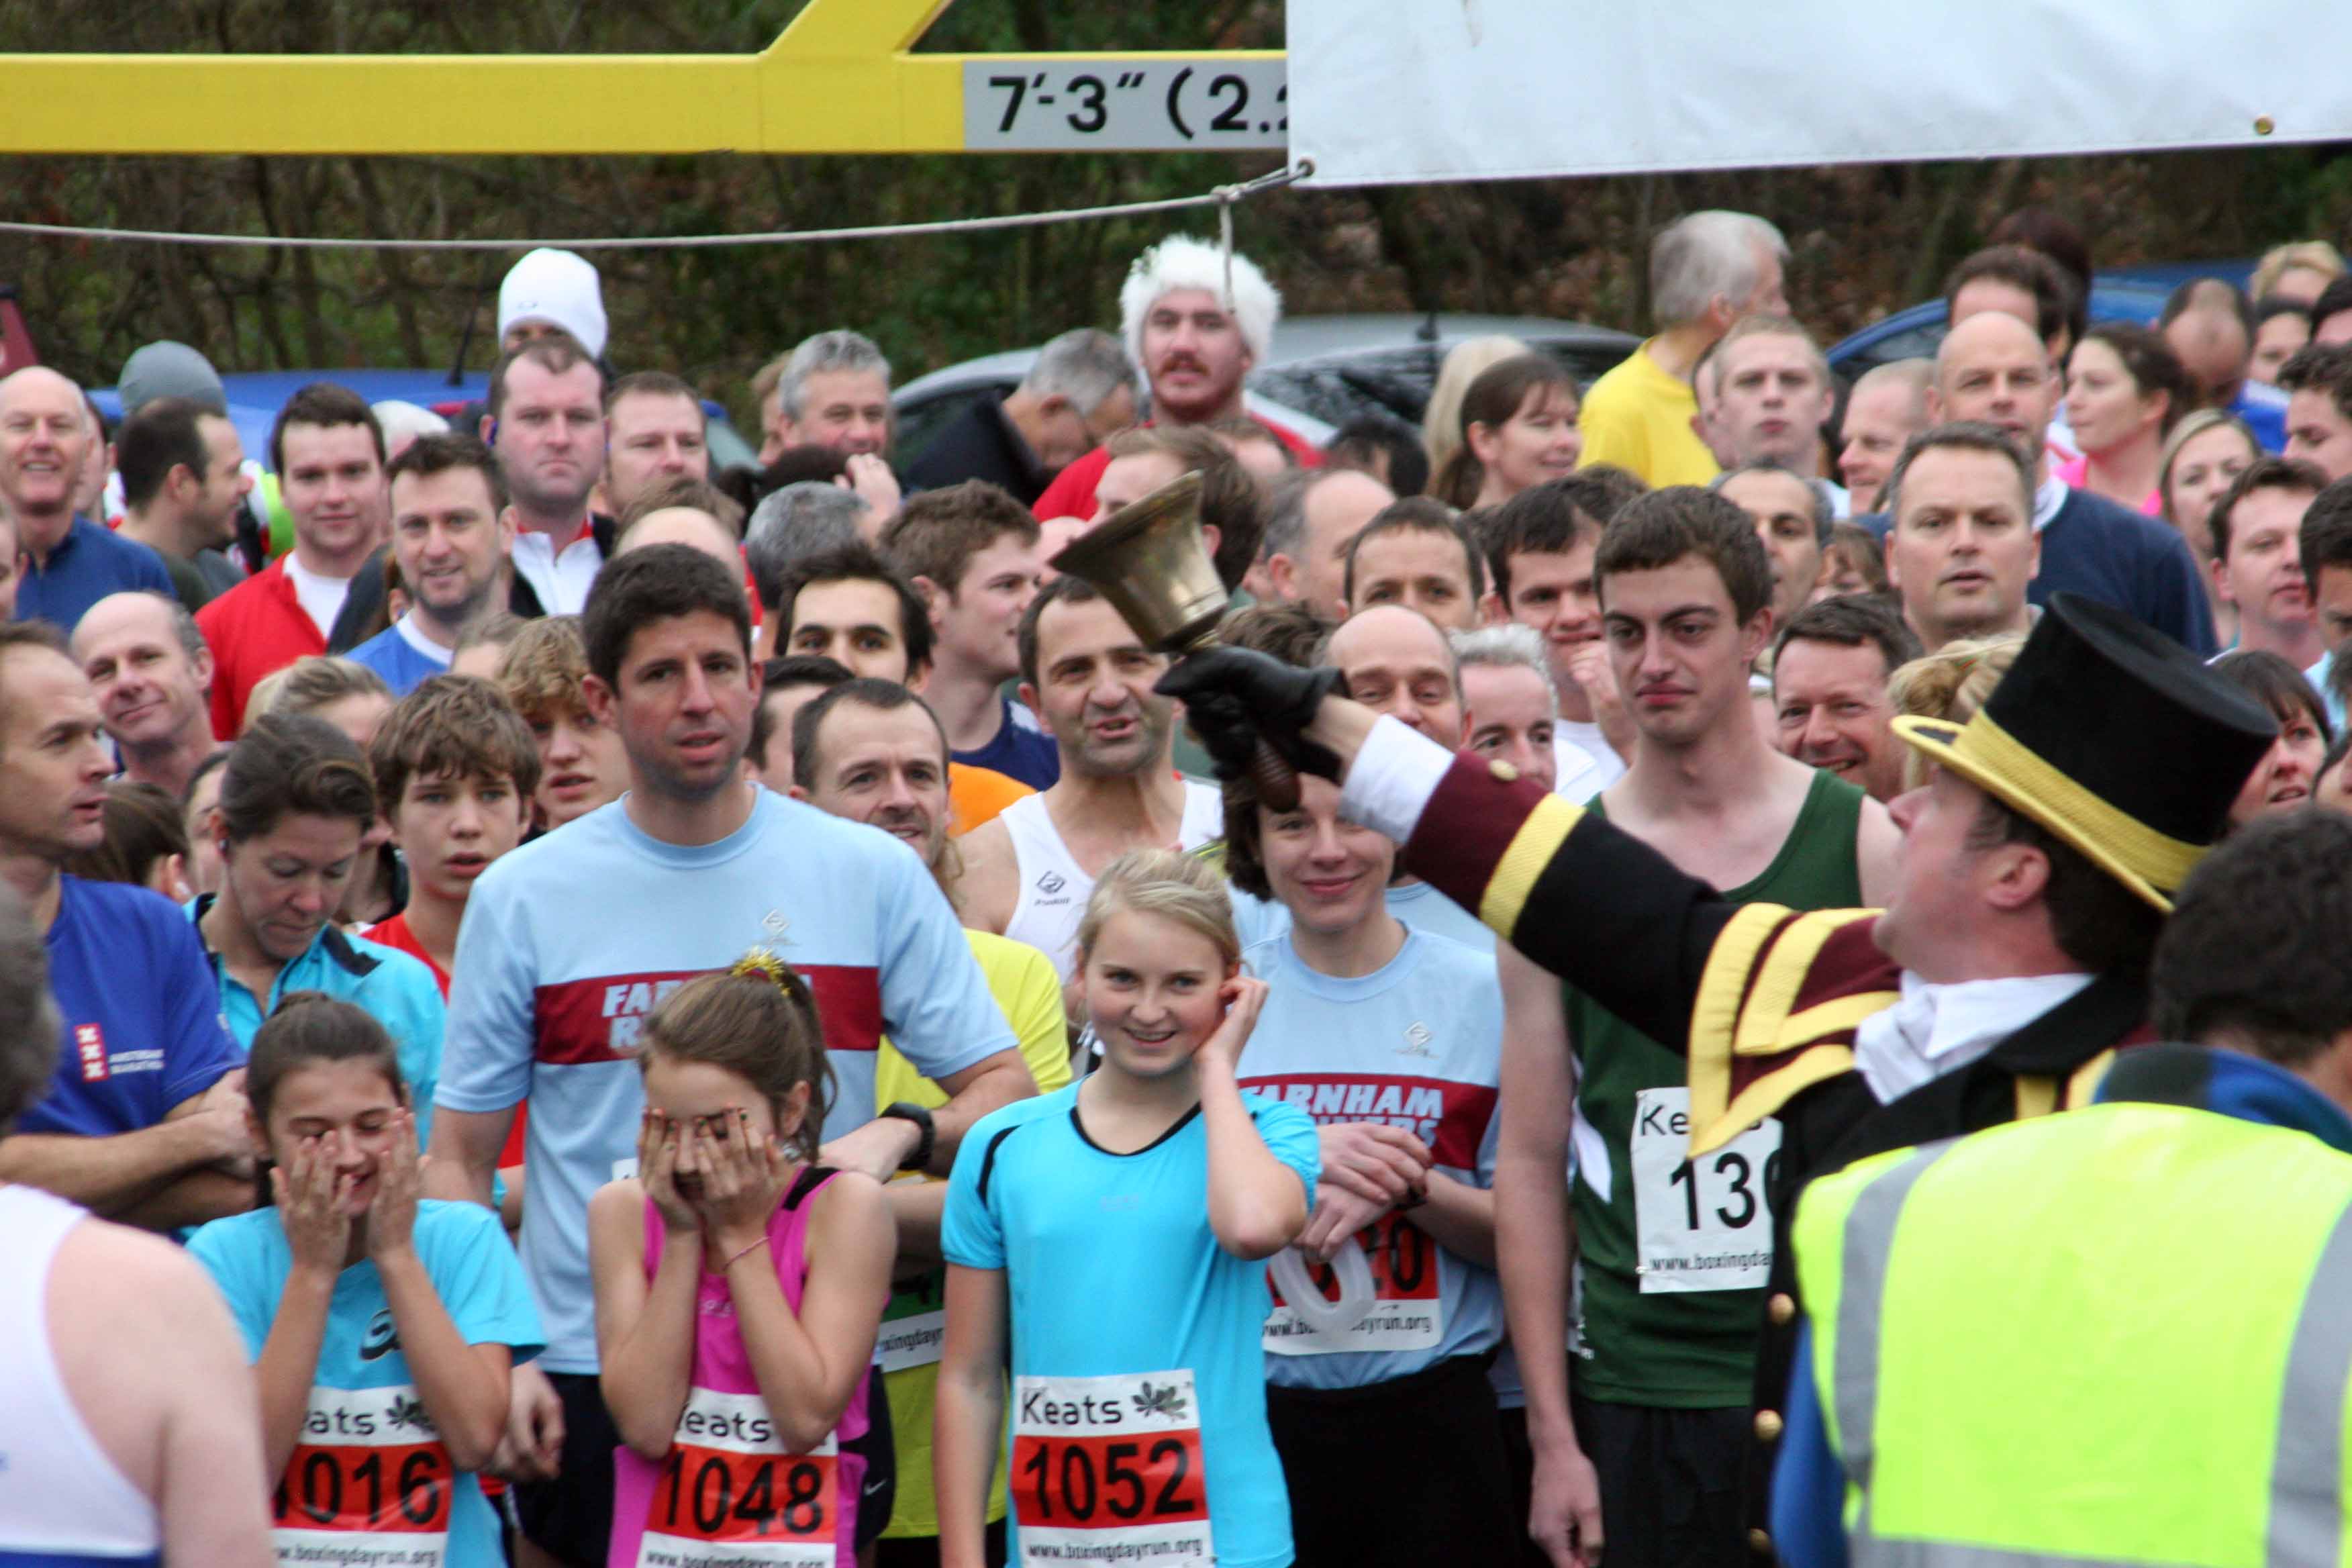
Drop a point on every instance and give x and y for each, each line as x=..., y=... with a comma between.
x=1051, y=883
x=601, y=1019
x=1450, y=1117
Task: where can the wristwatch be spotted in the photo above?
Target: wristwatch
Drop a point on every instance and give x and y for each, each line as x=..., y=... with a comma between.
x=907, y=1110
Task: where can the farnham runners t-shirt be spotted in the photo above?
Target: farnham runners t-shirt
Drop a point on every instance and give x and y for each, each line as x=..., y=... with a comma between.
x=571, y=941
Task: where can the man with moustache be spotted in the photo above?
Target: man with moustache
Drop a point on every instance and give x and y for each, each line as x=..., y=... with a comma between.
x=1195, y=343
x=150, y=668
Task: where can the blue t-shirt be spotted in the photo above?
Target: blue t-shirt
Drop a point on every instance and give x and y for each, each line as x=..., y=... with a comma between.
x=571, y=941
x=1114, y=1278
x=89, y=562
x=393, y=656
x=1417, y=1044
x=1018, y=751
x=143, y=1025
x=365, y=1412
x=393, y=987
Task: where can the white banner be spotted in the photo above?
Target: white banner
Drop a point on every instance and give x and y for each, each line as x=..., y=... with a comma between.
x=1479, y=90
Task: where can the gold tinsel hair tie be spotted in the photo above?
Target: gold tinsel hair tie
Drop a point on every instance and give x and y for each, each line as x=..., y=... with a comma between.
x=761, y=964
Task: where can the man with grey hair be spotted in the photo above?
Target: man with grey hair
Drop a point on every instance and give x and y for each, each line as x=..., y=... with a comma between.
x=834, y=390
x=1509, y=704
x=1706, y=270
x=1887, y=407
x=69, y=561
x=787, y=528
x=1079, y=393
x=153, y=674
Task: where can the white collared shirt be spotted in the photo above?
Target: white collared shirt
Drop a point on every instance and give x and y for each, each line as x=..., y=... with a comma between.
x=559, y=577
x=1939, y=1029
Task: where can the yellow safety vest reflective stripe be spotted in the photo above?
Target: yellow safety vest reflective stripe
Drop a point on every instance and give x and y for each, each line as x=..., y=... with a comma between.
x=2122, y=1336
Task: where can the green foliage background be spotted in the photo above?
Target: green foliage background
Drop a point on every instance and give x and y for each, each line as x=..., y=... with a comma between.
x=1867, y=239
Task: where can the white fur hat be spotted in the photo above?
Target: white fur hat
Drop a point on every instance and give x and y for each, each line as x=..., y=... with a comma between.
x=1181, y=261
x=558, y=286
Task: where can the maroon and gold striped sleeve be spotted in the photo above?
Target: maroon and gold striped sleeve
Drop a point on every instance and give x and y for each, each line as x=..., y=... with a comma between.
x=1585, y=899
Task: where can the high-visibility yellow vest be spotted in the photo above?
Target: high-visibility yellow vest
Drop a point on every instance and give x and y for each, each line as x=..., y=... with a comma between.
x=2123, y=1335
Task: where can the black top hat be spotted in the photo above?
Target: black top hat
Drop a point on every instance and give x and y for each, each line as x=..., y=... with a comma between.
x=2115, y=738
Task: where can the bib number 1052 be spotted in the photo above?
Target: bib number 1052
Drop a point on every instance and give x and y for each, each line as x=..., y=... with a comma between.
x=1105, y=1465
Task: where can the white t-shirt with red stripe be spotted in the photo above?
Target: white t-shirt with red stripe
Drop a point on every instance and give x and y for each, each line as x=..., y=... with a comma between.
x=569, y=941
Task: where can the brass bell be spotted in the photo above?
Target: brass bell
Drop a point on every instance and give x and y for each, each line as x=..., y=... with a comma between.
x=1151, y=561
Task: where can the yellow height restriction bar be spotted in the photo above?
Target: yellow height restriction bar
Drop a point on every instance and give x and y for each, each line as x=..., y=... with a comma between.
x=840, y=79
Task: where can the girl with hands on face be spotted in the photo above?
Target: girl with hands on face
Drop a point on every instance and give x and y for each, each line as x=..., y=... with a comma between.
x=740, y=1286
x=382, y=1328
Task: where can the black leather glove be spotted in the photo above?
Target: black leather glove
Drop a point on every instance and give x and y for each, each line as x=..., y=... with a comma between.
x=1235, y=697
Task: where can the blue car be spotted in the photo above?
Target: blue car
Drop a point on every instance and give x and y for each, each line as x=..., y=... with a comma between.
x=2118, y=294
x=255, y=396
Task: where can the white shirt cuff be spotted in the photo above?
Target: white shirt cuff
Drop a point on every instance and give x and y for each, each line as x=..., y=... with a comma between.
x=1391, y=779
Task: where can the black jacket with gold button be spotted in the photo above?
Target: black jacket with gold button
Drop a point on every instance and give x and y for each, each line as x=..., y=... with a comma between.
x=1763, y=1001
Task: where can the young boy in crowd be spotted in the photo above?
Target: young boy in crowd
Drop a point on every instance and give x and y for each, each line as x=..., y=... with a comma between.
x=455, y=770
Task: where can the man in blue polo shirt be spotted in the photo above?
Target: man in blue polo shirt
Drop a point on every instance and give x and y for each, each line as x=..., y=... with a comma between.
x=143, y=1120
x=70, y=563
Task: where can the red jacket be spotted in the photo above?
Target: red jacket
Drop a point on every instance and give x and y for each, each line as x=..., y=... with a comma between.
x=1072, y=493
x=255, y=629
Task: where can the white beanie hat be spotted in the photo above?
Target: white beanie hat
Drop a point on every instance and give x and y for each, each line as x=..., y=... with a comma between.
x=558, y=287
x=1184, y=262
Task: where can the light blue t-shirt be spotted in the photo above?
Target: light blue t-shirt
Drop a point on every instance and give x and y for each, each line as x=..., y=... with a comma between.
x=367, y=1427
x=1127, y=1318
x=571, y=941
x=1419, y=904
x=1417, y=1044
x=393, y=987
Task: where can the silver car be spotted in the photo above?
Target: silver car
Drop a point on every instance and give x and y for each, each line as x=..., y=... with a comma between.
x=1323, y=370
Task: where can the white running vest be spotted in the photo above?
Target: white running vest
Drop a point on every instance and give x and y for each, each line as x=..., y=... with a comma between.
x=60, y=1496
x=1053, y=890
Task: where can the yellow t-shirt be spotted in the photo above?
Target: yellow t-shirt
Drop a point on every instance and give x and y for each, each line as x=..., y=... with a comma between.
x=1639, y=417
x=1028, y=990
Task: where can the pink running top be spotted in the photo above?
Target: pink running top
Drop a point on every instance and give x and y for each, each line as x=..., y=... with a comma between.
x=728, y=1492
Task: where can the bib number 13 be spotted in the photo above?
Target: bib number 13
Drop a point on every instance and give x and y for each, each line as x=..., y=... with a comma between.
x=1703, y=1224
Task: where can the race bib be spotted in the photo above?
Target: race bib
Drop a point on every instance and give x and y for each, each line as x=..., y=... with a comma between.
x=369, y=1485
x=1703, y=1224
x=1408, y=1314
x=1108, y=1469
x=915, y=1324
x=729, y=1497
